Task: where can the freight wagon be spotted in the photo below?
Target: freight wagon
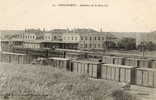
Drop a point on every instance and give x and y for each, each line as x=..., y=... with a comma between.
x=146, y=77
x=131, y=62
x=107, y=59
x=72, y=55
x=5, y=57
x=110, y=72
x=153, y=64
x=118, y=60
x=146, y=63
x=119, y=73
x=16, y=58
x=113, y=60
x=62, y=63
x=94, y=69
x=80, y=66
x=89, y=67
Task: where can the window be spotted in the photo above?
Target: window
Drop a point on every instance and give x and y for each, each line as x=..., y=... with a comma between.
x=72, y=38
x=90, y=38
x=98, y=38
x=81, y=38
x=99, y=45
x=75, y=38
x=86, y=38
x=95, y=38
x=85, y=45
x=90, y=45
x=103, y=38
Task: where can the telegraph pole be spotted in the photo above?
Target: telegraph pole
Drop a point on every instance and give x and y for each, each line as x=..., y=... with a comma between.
x=143, y=48
x=105, y=43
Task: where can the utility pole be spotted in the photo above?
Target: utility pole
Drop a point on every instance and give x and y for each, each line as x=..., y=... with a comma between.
x=105, y=43
x=143, y=48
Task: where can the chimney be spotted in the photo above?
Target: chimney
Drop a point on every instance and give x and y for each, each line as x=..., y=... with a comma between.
x=25, y=30
x=43, y=29
x=101, y=30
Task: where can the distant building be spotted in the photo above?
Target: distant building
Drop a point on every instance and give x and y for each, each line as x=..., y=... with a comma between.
x=49, y=36
x=85, y=39
x=27, y=36
x=32, y=44
x=71, y=37
x=94, y=40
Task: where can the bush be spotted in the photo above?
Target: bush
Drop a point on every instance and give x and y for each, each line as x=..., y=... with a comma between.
x=31, y=82
x=127, y=44
x=123, y=95
x=147, y=46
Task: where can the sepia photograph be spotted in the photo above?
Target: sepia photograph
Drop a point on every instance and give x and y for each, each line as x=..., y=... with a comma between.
x=77, y=50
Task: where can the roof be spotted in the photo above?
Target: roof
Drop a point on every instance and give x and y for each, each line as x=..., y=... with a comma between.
x=86, y=61
x=120, y=66
x=147, y=69
x=55, y=58
x=58, y=30
x=13, y=53
x=84, y=30
x=41, y=41
x=33, y=41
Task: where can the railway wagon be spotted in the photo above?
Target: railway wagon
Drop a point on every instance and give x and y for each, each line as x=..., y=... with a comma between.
x=54, y=53
x=146, y=63
x=131, y=62
x=107, y=59
x=16, y=58
x=5, y=57
x=127, y=74
x=62, y=63
x=153, y=64
x=120, y=73
x=20, y=50
x=118, y=60
x=146, y=77
x=110, y=72
x=94, y=69
x=88, y=67
x=80, y=66
x=72, y=55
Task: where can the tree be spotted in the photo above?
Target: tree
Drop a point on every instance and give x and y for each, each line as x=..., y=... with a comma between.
x=127, y=43
x=109, y=45
x=147, y=46
x=150, y=46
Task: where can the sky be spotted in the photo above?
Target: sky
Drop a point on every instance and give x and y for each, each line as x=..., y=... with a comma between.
x=119, y=15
